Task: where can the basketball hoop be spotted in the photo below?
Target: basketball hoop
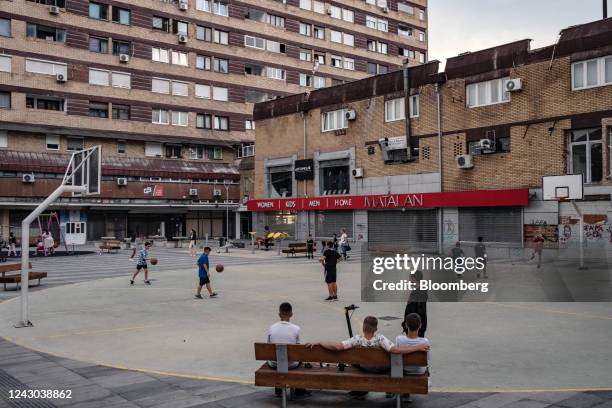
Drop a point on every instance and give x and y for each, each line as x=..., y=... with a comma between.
x=82, y=177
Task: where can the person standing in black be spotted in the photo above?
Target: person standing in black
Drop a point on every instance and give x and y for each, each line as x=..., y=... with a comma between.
x=335, y=243
x=480, y=251
x=417, y=302
x=192, y=242
x=330, y=260
x=266, y=239
x=310, y=247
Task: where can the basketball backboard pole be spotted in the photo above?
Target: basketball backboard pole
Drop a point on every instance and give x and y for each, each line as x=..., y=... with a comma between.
x=581, y=250
x=85, y=168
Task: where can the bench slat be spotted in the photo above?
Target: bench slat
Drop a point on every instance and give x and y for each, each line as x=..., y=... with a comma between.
x=17, y=278
x=359, y=355
x=12, y=267
x=331, y=379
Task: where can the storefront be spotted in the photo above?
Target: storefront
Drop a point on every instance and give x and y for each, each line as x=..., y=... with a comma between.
x=493, y=224
x=411, y=230
x=328, y=223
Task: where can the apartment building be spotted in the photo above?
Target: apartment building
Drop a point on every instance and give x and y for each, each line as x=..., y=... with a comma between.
x=167, y=88
x=464, y=158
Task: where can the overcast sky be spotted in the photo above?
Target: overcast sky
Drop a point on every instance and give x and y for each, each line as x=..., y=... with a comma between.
x=457, y=26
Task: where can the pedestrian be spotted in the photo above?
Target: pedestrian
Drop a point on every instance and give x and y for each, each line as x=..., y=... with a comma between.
x=192, y=242
x=344, y=245
x=417, y=302
x=266, y=239
x=456, y=253
x=330, y=259
x=480, y=251
x=204, y=274
x=143, y=257
x=538, y=247
x=48, y=242
x=323, y=246
x=310, y=247
x=335, y=242
x=12, y=244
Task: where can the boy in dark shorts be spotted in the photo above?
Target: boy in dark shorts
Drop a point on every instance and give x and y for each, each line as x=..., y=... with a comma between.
x=204, y=274
x=143, y=256
x=310, y=247
x=329, y=260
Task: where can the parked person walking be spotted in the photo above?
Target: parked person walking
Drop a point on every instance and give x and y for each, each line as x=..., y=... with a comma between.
x=266, y=239
x=12, y=244
x=330, y=260
x=538, y=247
x=192, y=242
x=335, y=242
x=480, y=251
x=310, y=247
x=204, y=275
x=344, y=245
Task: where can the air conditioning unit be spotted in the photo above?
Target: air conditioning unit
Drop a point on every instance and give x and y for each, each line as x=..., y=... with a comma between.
x=358, y=173
x=182, y=38
x=54, y=10
x=122, y=181
x=124, y=58
x=28, y=178
x=351, y=115
x=486, y=145
x=60, y=78
x=385, y=9
x=216, y=193
x=193, y=192
x=183, y=5
x=512, y=85
x=465, y=161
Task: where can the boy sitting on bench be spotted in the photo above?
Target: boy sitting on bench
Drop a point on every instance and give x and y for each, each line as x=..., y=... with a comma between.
x=369, y=339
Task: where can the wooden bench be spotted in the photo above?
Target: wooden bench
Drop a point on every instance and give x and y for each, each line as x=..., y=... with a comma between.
x=109, y=246
x=16, y=278
x=260, y=243
x=298, y=247
x=330, y=377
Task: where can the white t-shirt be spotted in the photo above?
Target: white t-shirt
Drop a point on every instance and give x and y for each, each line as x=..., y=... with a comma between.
x=343, y=238
x=404, y=340
x=284, y=333
x=377, y=341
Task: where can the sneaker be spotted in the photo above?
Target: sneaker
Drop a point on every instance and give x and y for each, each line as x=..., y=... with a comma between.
x=131, y=282
x=214, y=294
x=334, y=298
x=199, y=297
x=329, y=298
x=147, y=282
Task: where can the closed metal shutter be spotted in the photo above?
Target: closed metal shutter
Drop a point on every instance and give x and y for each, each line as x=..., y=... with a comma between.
x=329, y=223
x=412, y=231
x=493, y=224
x=282, y=221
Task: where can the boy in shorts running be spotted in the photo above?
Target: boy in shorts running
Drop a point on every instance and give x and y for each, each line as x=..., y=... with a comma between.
x=204, y=274
x=143, y=256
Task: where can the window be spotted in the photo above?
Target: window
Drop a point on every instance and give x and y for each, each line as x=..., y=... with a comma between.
x=153, y=149
x=98, y=11
x=121, y=47
x=422, y=57
x=405, y=8
x=174, y=151
x=319, y=57
x=318, y=82
x=349, y=64
x=179, y=118
x=204, y=5
x=305, y=29
x=160, y=85
x=121, y=15
x=214, y=153
x=221, y=37
x=335, y=36
x=5, y=63
x=249, y=124
x=160, y=116
x=219, y=94
x=348, y=39
x=98, y=77
x=58, y=3
x=305, y=55
x=335, y=12
x=180, y=27
x=395, y=109
x=377, y=46
x=221, y=65
x=5, y=27
x=247, y=150
x=586, y=154
x=45, y=32
x=121, y=112
x=98, y=109
x=319, y=32
x=221, y=8
x=53, y=142
x=97, y=44
x=204, y=33
x=421, y=36
x=403, y=31
x=377, y=23
x=334, y=177
x=592, y=73
x=221, y=123
x=254, y=42
x=121, y=147
x=196, y=152
x=160, y=55
x=334, y=120
x=280, y=181
x=179, y=58
x=318, y=7
x=275, y=46
x=414, y=106
x=275, y=73
x=5, y=100
x=312, y=81
x=487, y=93
x=45, y=103
x=202, y=91
x=251, y=69
x=274, y=20
x=502, y=145
x=306, y=4
x=121, y=80
x=161, y=23
x=421, y=15
x=348, y=15
x=203, y=62
x=336, y=61
x=3, y=139
x=180, y=88
x=204, y=121
x=74, y=143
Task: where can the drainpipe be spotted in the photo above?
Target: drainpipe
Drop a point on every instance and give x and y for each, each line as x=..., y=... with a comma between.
x=407, y=110
x=441, y=212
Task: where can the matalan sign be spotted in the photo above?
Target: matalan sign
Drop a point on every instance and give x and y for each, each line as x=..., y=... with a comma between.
x=482, y=198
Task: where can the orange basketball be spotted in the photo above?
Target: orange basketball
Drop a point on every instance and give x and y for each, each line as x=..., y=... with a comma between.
x=219, y=268
x=153, y=261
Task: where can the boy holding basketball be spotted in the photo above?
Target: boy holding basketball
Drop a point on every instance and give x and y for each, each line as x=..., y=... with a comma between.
x=143, y=256
x=204, y=274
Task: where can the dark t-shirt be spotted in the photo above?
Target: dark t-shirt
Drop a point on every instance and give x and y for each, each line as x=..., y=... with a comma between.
x=479, y=250
x=310, y=244
x=192, y=236
x=331, y=258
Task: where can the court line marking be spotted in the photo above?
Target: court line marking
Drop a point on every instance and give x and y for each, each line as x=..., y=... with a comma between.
x=553, y=311
x=99, y=331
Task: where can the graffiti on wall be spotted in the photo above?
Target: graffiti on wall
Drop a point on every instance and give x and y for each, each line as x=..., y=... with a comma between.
x=549, y=232
x=450, y=230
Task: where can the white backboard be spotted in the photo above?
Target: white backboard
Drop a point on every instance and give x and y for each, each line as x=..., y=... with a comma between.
x=567, y=187
x=85, y=169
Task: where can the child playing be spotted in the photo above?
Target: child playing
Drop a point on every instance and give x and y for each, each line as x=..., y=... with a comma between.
x=143, y=256
x=204, y=275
